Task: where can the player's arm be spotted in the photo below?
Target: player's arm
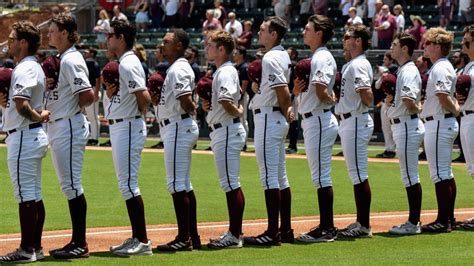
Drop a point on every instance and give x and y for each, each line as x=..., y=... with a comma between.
x=97, y=89
x=86, y=98
x=410, y=104
x=229, y=107
x=284, y=100
x=187, y=103
x=3, y=100
x=23, y=107
x=245, y=85
x=143, y=100
x=448, y=104
x=322, y=93
x=366, y=95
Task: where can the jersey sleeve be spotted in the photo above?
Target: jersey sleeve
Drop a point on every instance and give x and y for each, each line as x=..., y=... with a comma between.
x=443, y=80
x=133, y=76
x=23, y=84
x=77, y=76
x=227, y=86
x=182, y=82
x=276, y=74
x=361, y=74
x=323, y=72
x=411, y=85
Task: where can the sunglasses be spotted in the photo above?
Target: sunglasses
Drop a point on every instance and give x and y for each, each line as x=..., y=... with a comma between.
x=427, y=43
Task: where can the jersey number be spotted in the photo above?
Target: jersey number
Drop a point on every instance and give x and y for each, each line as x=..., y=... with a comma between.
x=116, y=99
x=343, y=81
x=53, y=96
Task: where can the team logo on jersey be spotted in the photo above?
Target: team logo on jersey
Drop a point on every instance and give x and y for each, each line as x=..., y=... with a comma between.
x=271, y=77
x=178, y=86
x=132, y=84
x=19, y=87
x=357, y=81
x=78, y=81
x=405, y=89
x=319, y=74
x=440, y=84
x=223, y=90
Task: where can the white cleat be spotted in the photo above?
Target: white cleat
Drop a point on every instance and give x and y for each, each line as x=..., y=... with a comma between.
x=406, y=229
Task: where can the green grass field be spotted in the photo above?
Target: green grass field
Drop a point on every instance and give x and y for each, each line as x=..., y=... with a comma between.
x=106, y=208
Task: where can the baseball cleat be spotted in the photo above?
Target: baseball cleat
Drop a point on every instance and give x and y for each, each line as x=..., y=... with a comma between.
x=386, y=154
x=19, y=256
x=125, y=244
x=135, y=248
x=437, y=227
x=70, y=251
x=39, y=253
x=318, y=235
x=263, y=240
x=406, y=229
x=196, y=242
x=226, y=240
x=468, y=224
x=287, y=237
x=355, y=230
x=176, y=245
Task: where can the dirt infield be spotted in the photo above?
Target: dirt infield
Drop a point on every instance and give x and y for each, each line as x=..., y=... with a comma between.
x=100, y=239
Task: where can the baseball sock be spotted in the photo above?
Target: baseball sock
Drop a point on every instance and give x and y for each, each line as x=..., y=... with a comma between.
x=326, y=199
x=443, y=199
x=136, y=214
x=40, y=216
x=235, y=207
x=285, y=209
x=193, y=230
x=363, y=196
x=453, y=191
x=414, y=194
x=28, y=218
x=181, y=208
x=78, y=211
x=272, y=201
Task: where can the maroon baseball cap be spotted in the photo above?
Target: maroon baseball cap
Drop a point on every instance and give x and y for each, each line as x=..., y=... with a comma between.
x=463, y=84
x=5, y=79
x=254, y=71
x=155, y=82
x=51, y=67
x=389, y=82
x=110, y=73
x=204, y=88
x=303, y=70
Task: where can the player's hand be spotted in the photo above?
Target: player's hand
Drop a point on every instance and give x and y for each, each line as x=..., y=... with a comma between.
x=110, y=90
x=254, y=87
x=155, y=99
x=45, y=114
x=240, y=108
x=290, y=115
x=389, y=100
x=456, y=107
x=206, y=105
x=3, y=100
x=50, y=84
x=96, y=96
x=461, y=99
x=299, y=86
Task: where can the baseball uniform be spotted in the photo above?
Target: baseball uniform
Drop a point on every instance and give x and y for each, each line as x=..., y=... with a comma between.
x=68, y=129
x=356, y=125
x=227, y=133
x=408, y=130
x=27, y=142
x=127, y=127
x=441, y=127
x=319, y=124
x=467, y=122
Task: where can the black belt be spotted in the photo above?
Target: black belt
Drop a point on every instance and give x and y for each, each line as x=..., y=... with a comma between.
x=348, y=115
x=274, y=109
x=310, y=114
x=397, y=120
x=59, y=119
x=219, y=125
x=114, y=121
x=429, y=118
x=467, y=112
x=166, y=122
x=30, y=126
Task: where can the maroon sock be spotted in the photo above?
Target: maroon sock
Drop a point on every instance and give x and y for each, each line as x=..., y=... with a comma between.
x=443, y=198
x=272, y=201
x=235, y=207
x=40, y=216
x=414, y=194
x=326, y=199
x=181, y=208
x=28, y=218
x=193, y=230
x=363, y=196
x=453, y=190
x=78, y=211
x=285, y=209
x=136, y=214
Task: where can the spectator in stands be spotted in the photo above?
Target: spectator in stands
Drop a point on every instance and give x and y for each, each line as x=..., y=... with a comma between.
x=234, y=27
x=211, y=23
x=353, y=18
x=305, y=9
x=370, y=10
x=102, y=28
x=192, y=55
x=140, y=52
x=294, y=125
x=459, y=61
x=141, y=11
x=320, y=7
x=220, y=12
x=400, y=18
x=386, y=28
x=344, y=7
x=446, y=10
x=171, y=11
x=282, y=8
x=464, y=5
x=156, y=13
x=162, y=64
x=241, y=65
x=423, y=64
x=118, y=14
x=245, y=39
x=185, y=10
x=250, y=4
x=417, y=29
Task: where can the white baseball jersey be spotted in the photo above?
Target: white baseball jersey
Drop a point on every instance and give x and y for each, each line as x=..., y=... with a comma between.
x=408, y=86
x=323, y=71
x=225, y=87
x=356, y=74
x=441, y=79
x=275, y=72
x=469, y=102
x=132, y=79
x=28, y=83
x=63, y=101
x=179, y=81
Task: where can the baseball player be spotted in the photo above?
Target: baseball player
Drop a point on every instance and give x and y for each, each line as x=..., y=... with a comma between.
x=92, y=111
x=68, y=129
x=319, y=124
x=407, y=128
x=227, y=133
x=356, y=125
x=179, y=133
x=439, y=113
x=128, y=103
x=467, y=110
x=27, y=142
x=272, y=112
